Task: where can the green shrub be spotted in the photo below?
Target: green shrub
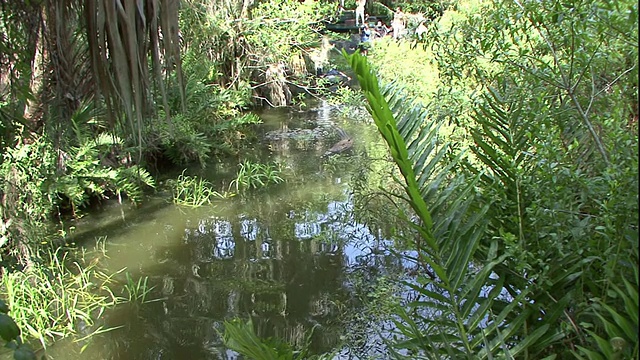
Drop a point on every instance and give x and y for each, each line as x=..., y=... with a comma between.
x=84, y=177
x=523, y=243
x=213, y=121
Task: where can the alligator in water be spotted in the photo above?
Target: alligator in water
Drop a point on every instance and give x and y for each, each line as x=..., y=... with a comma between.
x=345, y=144
x=315, y=133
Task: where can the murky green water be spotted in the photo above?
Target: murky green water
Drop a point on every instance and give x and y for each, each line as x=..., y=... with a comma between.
x=280, y=256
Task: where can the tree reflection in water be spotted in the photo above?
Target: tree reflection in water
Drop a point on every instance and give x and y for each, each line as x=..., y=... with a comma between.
x=285, y=258
x=288, y=282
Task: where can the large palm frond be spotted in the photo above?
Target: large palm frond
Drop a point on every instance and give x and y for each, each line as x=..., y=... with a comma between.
x=463, y=310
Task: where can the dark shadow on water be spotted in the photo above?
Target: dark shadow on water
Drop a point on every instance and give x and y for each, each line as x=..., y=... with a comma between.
x=112, y=218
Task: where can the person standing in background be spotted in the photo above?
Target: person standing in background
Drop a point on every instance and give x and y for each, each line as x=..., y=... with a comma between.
x=421, y=30
x=398, y=23
x=360, y=10
x=365, y=37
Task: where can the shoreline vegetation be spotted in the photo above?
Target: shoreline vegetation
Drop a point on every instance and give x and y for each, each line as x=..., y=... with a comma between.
x=512, y=126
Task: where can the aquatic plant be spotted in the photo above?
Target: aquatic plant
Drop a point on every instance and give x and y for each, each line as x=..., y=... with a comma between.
x=58, y=297
x=240, y=336
x=137, y=291
x=193, y=191
x=10, y=333
x=255, y=175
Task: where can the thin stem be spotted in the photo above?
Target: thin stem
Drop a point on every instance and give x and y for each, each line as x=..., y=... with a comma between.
x=570, y=91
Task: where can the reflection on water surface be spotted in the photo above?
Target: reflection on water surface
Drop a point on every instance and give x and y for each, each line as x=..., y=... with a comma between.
x=279, y=256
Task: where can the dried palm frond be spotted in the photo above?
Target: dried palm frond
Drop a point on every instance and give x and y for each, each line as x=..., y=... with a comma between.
x=122, y=35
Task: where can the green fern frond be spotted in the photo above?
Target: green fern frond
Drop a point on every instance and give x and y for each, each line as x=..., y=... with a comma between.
x=105, y=139
x=386, y=123
x=131, y=181
x=453, y=232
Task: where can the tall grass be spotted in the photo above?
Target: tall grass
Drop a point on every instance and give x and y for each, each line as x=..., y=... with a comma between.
x=62, y=295
x=58, y=297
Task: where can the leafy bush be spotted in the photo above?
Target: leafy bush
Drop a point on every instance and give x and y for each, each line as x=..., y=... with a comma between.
x=38, y=181
x=84, y=177
x=212, y=122
x=512, y=235
x=281, y=27
x=403, y=64
x=239, y=42
x=430, y=9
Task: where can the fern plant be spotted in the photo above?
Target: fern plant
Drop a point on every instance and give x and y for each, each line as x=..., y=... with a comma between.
x=83, y=174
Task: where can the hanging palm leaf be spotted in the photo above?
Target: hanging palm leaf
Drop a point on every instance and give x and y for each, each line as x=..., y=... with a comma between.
x=122, y=35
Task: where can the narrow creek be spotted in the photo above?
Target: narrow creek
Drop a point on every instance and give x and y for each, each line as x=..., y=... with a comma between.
x=281, y=256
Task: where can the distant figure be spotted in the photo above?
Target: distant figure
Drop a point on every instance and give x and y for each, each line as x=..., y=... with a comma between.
x=320, y=57
x=360, y=11
x=365, y=36
x=365, y=33
x=421, y=31
x=398, y=23
x=340, y=7
x=381, y=29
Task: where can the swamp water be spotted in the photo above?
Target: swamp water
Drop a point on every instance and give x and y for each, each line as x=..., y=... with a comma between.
x=281, y=256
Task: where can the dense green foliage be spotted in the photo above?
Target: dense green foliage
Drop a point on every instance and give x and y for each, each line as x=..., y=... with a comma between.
x=529, y=240
x=97, y=99
x=516, y=152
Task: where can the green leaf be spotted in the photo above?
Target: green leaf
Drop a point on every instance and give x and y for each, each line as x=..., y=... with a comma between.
x=530, y=339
